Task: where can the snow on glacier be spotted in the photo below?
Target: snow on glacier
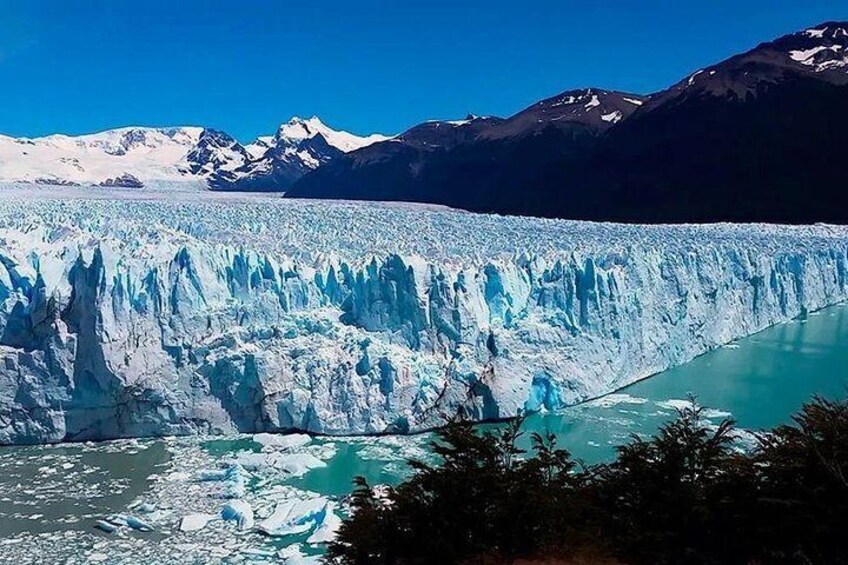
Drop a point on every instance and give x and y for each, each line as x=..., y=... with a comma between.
x=219, y=313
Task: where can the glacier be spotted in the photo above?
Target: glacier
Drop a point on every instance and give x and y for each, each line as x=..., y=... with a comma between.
x=127, y=314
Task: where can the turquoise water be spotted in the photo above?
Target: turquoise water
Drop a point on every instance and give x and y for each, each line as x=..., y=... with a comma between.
x=52, y=496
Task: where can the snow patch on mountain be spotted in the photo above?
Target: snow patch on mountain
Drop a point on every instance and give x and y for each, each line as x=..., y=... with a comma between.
x=612, y=117
x=824, y=48
x=821, y=57
x=151, y=317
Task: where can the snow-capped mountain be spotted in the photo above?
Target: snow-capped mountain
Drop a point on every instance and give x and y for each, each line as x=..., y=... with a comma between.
x=134, y=154
x=819, y=53
x=274, y=162
x=202, y=157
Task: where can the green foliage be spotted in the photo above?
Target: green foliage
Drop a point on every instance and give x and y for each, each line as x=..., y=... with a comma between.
x=803, y=481
x=684, y=496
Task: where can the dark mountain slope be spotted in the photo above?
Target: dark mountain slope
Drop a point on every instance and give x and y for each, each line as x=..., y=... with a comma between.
x=758, y=137
x=472, y=163
x=764, y=158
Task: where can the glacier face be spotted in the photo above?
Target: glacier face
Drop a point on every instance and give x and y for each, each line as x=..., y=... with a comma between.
x=234, y=313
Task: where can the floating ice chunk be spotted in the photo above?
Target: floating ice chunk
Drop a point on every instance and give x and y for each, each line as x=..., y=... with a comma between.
x=236, y=482
x=105, y=526
x=233, y=477
x=211, y=475
x=117, y=520
x=292, y=555
x=138, y=524
x=194, y=522
x=295, y=464
x=240, y=512
x=675, y=404
x=611, y=400
x=257, y=552
x=299, y=464
x=327, y=528
x=147, y=507
x=294, y=516
x=679, y=404
x=712, y=414
x=282, y=441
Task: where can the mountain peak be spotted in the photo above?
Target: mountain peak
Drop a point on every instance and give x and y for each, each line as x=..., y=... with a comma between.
x=827, y=30
x=297, y=130
x=593, y=108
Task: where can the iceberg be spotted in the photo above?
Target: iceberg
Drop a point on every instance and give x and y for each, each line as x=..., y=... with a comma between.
x=237, y=313
x=239, y=512
x=327, y=528
x=282, y=441
x=233, y=478
x=106, y=526
x=294, y=464
x=293, y=555
x=138, y=524
x=194, y=522
x=295, y=516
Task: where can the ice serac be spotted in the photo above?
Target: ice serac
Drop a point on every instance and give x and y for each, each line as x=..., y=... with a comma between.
x=132, y=318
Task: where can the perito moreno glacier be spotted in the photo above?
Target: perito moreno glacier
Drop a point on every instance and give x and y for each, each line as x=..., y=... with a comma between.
x=205, y=314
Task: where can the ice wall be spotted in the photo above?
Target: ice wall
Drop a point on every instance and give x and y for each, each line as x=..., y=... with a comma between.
x=126, y=319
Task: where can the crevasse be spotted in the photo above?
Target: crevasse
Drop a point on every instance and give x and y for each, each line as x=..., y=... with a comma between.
x=122, y=319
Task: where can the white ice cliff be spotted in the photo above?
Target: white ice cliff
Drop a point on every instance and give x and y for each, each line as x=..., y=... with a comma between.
x=150, y=317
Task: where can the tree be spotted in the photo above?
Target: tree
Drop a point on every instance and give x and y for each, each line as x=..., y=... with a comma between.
x=687, y=495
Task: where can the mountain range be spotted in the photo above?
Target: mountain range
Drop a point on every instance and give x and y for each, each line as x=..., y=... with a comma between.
x=757, y=137
x=134, y=157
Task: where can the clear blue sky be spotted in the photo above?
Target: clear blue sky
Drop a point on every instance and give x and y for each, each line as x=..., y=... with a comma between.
x=362, y=65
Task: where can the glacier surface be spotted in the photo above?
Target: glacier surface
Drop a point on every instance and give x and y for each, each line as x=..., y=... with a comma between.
x=220, y=313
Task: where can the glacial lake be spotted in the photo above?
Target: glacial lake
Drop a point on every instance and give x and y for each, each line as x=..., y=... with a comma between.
x=52, y=496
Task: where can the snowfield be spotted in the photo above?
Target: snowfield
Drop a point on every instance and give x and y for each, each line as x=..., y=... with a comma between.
x=133, y=313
